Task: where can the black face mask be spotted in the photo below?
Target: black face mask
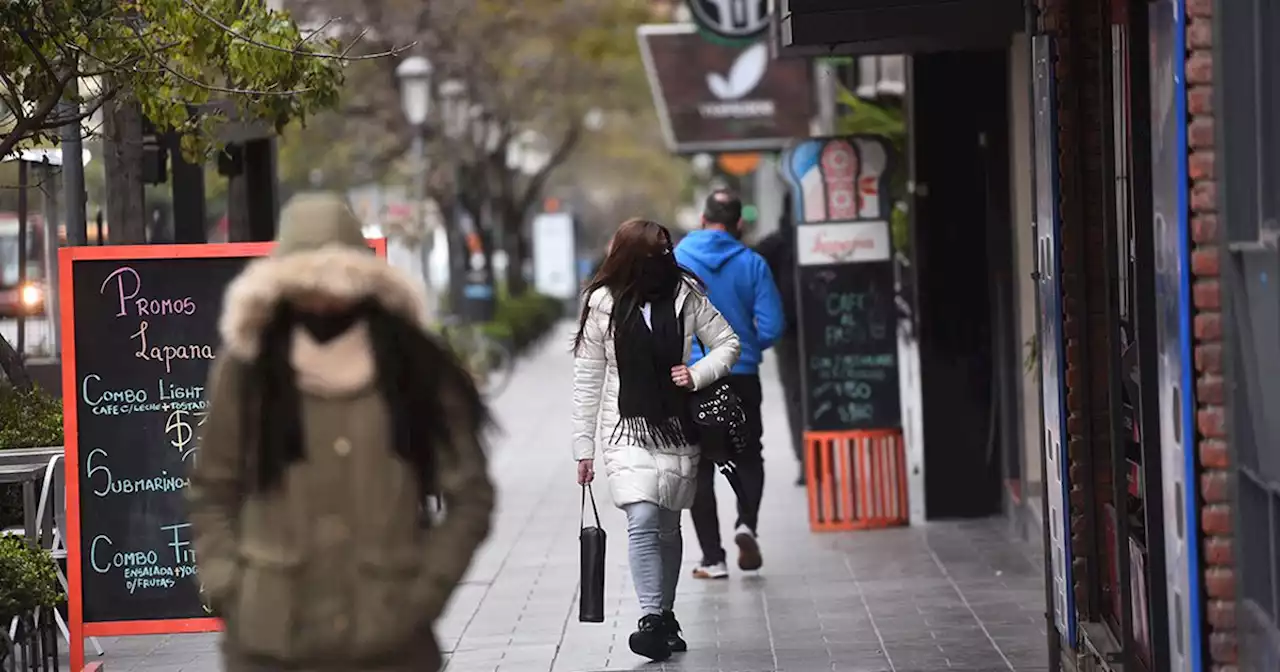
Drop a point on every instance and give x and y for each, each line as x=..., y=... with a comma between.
x=659, y=276
x=325, y=327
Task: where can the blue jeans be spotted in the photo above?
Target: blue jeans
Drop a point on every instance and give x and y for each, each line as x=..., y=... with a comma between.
x=655, y=549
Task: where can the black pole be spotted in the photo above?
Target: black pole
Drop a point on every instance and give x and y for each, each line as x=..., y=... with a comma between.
x=261, y=188
x=1146, y=323
x=188, y=195
x=22, y=256
x=73, y=177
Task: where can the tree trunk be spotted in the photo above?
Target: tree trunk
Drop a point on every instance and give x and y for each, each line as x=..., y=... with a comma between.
x=122, y=155
x=517, y=249
x=15, y=371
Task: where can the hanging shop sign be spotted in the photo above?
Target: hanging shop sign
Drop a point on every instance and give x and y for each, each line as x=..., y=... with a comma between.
x=1173, y=330
x=826, y=28
x=1052, y=358
x=742, y=20
x=715, y=97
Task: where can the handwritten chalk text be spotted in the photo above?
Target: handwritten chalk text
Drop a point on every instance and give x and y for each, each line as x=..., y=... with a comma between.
x=128, y=286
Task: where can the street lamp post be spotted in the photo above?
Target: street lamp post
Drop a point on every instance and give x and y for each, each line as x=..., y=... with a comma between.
x=415, y=98
x=453, y=114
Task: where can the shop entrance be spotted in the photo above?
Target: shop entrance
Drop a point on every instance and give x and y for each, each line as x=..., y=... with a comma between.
x=962, y=242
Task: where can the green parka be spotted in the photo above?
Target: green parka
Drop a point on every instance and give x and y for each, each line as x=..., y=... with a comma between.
x=331, y=570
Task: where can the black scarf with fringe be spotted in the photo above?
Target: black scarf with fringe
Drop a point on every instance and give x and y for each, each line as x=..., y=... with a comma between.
x=653, y=410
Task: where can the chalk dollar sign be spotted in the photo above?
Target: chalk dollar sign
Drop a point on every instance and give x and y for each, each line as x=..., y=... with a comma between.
x=179, y=430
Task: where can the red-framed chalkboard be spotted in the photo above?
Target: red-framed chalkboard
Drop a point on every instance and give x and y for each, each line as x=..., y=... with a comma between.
x=139, y=331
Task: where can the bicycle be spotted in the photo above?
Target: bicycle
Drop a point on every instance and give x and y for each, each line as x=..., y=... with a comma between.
x=489, y=362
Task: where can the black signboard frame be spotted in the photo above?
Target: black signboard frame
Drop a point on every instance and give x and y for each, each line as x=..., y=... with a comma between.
x=125, y=292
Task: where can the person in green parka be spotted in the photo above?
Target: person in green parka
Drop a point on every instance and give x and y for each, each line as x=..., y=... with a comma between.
x=333, y=418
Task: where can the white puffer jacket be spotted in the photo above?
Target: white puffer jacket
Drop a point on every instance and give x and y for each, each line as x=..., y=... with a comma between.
x=638, y=473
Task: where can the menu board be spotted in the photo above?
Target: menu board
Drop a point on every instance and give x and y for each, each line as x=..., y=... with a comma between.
x=142, y=336
x=845, y=289
x=139, y=327
x=849, y=346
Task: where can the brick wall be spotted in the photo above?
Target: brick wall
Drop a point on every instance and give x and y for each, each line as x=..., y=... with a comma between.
x=1079, y=29
x=1216, y=515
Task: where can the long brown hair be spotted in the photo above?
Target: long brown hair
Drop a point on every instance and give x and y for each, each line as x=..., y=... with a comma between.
x=635, y=241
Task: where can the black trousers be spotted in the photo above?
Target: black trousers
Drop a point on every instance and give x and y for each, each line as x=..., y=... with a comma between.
x=787, y=350
x=706, y=520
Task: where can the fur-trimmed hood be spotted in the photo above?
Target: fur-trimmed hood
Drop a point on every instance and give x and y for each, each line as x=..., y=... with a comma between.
x=335, y=270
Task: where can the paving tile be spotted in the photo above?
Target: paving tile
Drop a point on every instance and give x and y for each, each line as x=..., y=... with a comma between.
x=943, y=596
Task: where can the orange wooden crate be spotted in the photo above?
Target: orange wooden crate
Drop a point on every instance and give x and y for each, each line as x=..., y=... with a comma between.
x=856, y=480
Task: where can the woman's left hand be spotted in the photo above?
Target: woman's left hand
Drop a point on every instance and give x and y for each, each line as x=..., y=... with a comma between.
x=681, y=377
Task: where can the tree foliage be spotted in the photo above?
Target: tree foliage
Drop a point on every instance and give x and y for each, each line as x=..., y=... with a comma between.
x=226, y=58
x=868, y=118
x=533, y=65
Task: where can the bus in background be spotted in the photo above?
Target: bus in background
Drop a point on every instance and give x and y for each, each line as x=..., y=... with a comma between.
x=25, y=298
x=28, y=300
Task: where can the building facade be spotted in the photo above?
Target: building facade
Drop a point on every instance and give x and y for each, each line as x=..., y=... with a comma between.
x=1141, y=212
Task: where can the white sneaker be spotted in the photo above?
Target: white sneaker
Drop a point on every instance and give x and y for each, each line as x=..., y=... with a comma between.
x=749, y=559
x=716, y=571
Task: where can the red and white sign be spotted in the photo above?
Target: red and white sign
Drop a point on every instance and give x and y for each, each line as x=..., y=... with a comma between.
x=842, y=243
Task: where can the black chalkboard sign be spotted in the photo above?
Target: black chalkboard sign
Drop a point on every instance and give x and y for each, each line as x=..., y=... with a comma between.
x=849, y=346
x=140, y=335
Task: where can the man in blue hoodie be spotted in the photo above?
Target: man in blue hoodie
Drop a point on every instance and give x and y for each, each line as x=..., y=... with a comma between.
x=741, y=287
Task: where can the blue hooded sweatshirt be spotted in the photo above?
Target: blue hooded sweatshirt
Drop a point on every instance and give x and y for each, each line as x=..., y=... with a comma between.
x=741, y=287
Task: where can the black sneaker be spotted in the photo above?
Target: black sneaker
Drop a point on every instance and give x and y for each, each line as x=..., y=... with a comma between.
x=650, y=638
x=672, y=627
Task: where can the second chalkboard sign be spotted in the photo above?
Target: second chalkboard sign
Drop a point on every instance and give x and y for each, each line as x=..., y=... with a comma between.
x=849, y=346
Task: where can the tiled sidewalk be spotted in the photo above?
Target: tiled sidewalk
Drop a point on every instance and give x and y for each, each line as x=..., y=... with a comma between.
x=955, y=596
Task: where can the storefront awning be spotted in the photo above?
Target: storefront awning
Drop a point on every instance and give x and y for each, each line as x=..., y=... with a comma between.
x=864, y=27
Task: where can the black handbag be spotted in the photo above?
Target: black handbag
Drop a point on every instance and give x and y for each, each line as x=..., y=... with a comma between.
x=592, y=542
x=720, y=422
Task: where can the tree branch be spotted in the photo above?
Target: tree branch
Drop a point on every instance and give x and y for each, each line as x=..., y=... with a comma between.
x=536, y=183
x=323, y=27
x=15, y=105
x=344, y=56
x=205, y=85
x=33, y=120
x=35, y=51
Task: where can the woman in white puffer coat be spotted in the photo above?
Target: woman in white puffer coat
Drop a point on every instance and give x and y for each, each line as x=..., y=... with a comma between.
x=631, y=397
